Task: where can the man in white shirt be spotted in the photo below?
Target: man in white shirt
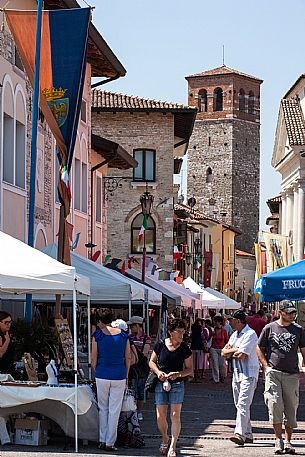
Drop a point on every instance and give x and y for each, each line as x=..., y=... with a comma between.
x=242, y=348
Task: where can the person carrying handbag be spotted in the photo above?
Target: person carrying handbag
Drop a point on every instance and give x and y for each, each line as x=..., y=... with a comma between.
x=140, y=370
x=175, y=358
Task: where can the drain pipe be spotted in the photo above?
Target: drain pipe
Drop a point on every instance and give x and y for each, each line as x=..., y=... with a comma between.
x=93, y=169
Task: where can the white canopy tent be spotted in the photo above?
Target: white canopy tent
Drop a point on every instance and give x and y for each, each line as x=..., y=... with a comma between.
x=151, y=281
x=109, y=286
x=24, y=269
x=207, y=300
x=229, y=302
x=188, y=298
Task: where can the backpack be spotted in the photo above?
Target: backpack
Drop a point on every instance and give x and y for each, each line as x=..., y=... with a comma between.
x=140, y=369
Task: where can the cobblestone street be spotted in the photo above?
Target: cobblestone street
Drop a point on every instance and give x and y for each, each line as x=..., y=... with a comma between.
x=207, y=422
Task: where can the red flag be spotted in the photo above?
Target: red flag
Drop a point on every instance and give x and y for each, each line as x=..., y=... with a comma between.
x=95, y=256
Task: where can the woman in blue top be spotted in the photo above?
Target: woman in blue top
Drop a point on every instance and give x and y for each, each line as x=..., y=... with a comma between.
x=111, y=361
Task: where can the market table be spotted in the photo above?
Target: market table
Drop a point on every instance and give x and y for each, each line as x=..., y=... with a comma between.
x=56, y=403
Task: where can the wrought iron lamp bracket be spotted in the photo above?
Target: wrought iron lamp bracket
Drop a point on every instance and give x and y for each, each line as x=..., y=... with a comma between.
x=112, y=184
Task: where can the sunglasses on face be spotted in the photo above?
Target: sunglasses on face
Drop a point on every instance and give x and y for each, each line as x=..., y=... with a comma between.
x=6, y=322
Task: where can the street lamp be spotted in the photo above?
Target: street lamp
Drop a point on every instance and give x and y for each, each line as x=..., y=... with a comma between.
x=146, y=201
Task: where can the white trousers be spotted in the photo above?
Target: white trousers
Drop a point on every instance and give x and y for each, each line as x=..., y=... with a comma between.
x=4, y=436
x=110, y=395
x=243, y=393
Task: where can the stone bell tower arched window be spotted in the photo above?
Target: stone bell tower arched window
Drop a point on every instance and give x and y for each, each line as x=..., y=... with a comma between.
x=218, y=99
x=251, y=103
x=202, y=101
x=242, y=100
x=209, y=175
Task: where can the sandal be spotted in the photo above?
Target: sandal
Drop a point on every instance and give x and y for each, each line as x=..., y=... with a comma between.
x=164, y=448
x=110, y=448
x=171, y=453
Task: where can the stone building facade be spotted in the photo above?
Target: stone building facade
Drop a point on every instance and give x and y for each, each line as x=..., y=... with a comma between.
x=142, y=127
x=224, y=150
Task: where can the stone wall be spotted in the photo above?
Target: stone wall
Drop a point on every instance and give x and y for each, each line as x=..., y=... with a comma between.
x=132, y=131
x=230, y=149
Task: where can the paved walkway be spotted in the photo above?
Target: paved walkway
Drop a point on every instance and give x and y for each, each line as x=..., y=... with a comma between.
x=207, y=422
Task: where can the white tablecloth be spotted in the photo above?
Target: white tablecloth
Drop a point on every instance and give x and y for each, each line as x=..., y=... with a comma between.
x=57, y=403
x=15, y=395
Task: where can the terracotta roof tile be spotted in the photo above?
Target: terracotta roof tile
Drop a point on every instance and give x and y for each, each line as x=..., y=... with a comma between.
x=294, y=121
x=102, y=99
x=223, y=70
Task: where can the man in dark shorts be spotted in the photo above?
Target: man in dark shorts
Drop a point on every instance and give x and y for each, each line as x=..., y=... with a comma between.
x=277, y=351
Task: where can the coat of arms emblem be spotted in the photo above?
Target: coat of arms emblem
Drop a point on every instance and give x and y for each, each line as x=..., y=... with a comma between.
x=58, y=104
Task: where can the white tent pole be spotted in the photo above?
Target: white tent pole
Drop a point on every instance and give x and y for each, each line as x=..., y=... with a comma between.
x=75, y=369
x=129, y=304
x=147, y=311
x=89, y=338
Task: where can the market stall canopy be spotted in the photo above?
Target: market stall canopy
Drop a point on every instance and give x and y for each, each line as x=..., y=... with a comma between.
x=208, y=300
x=189, y=299
x=287, y=283
x=107, y=286
x=229, y=302
x=24, y=269
x=174, y=298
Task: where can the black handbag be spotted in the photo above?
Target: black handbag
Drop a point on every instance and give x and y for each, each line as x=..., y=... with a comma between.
x=151, y=382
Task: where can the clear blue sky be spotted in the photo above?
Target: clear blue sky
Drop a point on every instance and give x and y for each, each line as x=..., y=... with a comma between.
x=159, y=42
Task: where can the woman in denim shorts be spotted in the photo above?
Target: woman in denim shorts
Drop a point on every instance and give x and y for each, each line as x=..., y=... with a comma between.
x=171, y=361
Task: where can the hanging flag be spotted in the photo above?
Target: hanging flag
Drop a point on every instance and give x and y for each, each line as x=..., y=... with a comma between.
x=123, y=268
x=95, y=256
x=74, y=245
x=132, y=260
x=107, y=258
x=64, y=42
x=199, y=263
x=143, y=228
x=176, y=255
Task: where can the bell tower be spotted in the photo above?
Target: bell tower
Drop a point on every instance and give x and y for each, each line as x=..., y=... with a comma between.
x=224, y=150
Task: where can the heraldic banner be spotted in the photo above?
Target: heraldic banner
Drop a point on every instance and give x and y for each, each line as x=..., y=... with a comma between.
x=63, y=58
x=64, y=43
x=276, y=246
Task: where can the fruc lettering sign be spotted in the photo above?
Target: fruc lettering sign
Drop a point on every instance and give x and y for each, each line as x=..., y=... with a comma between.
x=293, y=283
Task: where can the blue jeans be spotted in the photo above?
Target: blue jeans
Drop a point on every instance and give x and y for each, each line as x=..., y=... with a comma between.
x=174, y=397
x=138, y=387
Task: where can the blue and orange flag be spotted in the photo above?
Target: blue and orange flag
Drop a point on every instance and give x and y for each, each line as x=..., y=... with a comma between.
x=64, y=42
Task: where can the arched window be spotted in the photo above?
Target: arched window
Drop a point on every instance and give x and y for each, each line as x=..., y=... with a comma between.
x=202, y=101
x=14, y=135
x=242, y=100
x=218, y=99
x=8, y=134
x=209, y=175
x=150, y=235
x=251, y=109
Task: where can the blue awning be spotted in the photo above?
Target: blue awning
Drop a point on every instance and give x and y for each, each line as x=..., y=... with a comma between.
x=287, y=283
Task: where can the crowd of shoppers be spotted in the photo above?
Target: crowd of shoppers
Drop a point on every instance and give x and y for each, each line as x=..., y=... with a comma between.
x=240, y=341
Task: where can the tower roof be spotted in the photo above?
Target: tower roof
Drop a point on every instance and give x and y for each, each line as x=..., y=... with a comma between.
x=223, y=70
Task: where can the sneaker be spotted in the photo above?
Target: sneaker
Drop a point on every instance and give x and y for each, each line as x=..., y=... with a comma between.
x=140, y=417
x=237, y=439
x=248, y=440
x=289, y=449
x=279, y=446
